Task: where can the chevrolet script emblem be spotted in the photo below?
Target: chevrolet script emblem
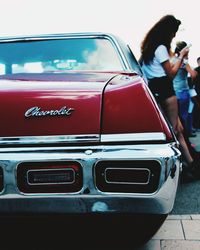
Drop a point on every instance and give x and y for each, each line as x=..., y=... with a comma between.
x=38, y=112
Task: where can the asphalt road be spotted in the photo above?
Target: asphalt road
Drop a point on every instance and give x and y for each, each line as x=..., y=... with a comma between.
x=188, y=194
x=187, y=199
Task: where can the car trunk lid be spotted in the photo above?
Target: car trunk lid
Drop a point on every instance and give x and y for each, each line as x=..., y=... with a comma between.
x=51, y=104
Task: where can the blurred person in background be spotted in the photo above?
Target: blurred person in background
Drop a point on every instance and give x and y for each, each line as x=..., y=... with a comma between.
x=196, y=110
x=183, y=92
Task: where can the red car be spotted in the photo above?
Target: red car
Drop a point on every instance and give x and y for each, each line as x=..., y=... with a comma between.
x=80, y=131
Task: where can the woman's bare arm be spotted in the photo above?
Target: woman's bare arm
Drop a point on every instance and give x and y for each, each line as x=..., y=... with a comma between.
x=193, y=73
x=172, y=69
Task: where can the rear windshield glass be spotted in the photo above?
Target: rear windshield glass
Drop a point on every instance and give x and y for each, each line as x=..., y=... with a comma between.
x=58, y=55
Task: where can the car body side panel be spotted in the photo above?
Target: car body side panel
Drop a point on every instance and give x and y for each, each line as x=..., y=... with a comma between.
x=128, y=107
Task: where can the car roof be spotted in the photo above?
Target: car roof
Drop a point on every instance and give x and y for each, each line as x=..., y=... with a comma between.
x=59, y=35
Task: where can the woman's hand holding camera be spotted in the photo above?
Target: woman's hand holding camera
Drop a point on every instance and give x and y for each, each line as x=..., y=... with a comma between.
x=185, y=51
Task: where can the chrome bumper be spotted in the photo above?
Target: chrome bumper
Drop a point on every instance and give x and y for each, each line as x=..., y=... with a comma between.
x=89, y=199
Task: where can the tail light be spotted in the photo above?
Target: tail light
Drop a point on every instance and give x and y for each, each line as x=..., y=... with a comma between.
x=49, y=177
x=128, y=176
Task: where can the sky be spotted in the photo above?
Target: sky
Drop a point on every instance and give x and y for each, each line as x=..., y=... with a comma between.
x=128, y=19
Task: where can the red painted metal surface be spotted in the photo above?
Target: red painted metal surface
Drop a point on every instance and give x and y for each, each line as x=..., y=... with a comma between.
x=83, y=93
x=129, y=108
x=126, y=106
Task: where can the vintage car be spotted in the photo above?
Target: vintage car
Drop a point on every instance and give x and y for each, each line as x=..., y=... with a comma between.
x=80, y=131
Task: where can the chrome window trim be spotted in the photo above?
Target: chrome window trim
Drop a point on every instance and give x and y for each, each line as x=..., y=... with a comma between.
x=126, y=137
x=119, y=52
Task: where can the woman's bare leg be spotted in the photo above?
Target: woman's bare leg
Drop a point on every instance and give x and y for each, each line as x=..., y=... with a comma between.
x=170, y=107
x=184, y=148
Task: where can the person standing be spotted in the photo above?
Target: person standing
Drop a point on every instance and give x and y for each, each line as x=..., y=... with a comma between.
x=155, y=61
x=182, y=89
x=196, y=110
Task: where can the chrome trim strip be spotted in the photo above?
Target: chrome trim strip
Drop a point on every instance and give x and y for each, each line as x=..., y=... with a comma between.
x=49, y=139
x=52, y=183
x=156, y=136
x=133, y=169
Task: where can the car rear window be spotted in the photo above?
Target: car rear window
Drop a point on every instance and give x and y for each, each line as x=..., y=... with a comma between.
x=58, y=55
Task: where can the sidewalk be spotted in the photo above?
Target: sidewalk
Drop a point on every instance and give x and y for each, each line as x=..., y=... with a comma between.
x=178, y=232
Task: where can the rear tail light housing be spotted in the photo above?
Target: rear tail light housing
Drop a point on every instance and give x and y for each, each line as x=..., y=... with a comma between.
x=127, y=176
x=49, y=177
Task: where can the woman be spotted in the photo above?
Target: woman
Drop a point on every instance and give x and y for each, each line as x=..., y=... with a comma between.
x=155, y=61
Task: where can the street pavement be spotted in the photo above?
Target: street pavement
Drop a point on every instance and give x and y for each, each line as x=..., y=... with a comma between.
x=181, y=230
x=188, y=198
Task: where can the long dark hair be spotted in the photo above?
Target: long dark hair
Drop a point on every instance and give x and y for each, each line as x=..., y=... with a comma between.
x=161, y=33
